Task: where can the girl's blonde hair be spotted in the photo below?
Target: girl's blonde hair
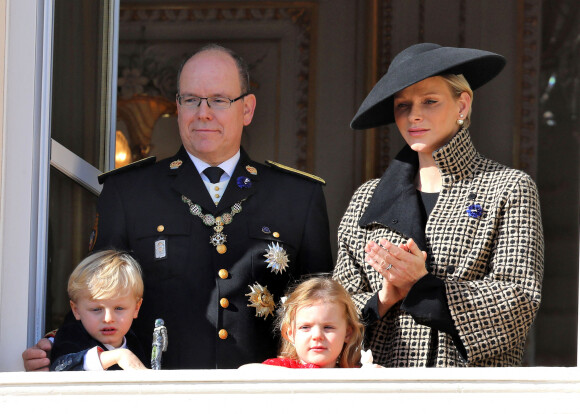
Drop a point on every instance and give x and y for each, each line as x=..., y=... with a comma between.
x=104, y=275
x=458, y=84
x=315, y=290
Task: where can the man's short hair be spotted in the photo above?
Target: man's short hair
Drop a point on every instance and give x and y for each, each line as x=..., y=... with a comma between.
x=243, y=69
x=104, y=275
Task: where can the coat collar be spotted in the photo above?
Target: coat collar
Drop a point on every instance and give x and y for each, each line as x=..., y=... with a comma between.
x=189, y=183
x=395, y=202
x=235, y=191
x=455, y=160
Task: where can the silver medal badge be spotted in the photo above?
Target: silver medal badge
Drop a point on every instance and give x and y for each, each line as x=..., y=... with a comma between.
x=276, y=258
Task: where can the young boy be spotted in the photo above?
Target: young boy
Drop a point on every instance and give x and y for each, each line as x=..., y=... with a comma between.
x=105, y=292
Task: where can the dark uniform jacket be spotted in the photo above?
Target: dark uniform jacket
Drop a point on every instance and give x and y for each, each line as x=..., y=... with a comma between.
x=72, y=342
x=204, y=297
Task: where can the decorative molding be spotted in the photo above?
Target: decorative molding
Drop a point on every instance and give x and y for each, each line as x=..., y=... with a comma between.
x=301, y=14
x=526, y=105
x=385, y=58
x=421, y=28
x=249, y=389
x=462, y=22
x=369, y=164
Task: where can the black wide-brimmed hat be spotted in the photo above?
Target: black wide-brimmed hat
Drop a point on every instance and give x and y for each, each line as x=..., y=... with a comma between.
x=419, y=62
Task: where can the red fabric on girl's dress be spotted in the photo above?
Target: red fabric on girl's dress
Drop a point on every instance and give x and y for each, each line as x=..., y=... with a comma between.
x=288, y=363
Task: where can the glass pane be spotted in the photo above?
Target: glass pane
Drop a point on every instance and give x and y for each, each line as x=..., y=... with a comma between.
x=80, y=78
x=72, y=213
x=559, y=137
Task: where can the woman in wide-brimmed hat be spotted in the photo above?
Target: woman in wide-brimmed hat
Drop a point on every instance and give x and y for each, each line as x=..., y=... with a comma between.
x=444, y=254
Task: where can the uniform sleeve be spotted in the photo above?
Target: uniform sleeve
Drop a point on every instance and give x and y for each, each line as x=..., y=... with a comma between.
x=315, y=252
x=69, y=348
x=69, y=362
x=111, y=223
x=350, y=269
x=85, y=360
x=493, y=314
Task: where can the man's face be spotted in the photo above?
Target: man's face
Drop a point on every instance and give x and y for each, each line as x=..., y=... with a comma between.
x=210, y=134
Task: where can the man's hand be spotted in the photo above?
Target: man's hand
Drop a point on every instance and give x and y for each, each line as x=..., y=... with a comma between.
x=36, y=358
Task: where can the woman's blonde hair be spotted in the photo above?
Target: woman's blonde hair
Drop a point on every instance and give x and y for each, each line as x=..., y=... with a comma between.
x=104, y=275
x=315, y=290
x=458, y=84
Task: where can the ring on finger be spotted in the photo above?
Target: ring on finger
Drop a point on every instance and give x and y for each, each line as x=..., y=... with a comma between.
x=389, y=267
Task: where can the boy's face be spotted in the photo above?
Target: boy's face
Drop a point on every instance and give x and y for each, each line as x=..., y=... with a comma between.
x=107, y=320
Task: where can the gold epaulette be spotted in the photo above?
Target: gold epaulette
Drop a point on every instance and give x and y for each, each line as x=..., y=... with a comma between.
x=141, y=163
x=299, y=173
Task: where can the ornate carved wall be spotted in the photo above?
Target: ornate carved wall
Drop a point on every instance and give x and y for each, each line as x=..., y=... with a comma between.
x=278, y=39
x=526, y=103
x=387, y=14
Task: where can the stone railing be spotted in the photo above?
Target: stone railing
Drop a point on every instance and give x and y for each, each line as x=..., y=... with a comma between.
x=522, y=390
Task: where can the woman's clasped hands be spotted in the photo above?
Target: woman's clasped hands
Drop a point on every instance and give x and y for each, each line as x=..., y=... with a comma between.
x=401, y=267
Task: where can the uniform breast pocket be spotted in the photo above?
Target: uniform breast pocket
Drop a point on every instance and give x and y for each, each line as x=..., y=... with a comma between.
x=273, y=255
x=163, y=247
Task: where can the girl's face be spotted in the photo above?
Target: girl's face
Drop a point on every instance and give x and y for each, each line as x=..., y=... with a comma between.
x=319, y=333
x=426, y=114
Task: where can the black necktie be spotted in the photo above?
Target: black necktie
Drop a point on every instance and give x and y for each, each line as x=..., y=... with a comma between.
x=214, y=174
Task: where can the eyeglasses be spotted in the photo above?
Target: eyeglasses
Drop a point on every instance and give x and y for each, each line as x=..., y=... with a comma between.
x=215, y=102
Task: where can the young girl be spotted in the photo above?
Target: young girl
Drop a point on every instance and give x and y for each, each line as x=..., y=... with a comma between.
x=320, y=327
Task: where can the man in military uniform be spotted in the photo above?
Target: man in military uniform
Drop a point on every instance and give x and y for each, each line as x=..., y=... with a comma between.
x=218, y=247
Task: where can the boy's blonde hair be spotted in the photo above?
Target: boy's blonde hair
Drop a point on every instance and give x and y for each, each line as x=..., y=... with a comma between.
x=104, y=275
x=458, y=84
x=315, y=290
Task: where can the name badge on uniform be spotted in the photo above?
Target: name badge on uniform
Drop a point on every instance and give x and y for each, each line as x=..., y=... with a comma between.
x=160, y=249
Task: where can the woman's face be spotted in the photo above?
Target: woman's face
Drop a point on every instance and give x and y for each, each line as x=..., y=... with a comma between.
x=426, y=114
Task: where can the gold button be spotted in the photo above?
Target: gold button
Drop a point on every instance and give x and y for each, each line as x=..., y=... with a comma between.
x=217, y=196
x=224, y=303
x=276, y=234
x=223, y=334
x=160, y=228
x=223, y=273
x=216, y=188
x=221, y=249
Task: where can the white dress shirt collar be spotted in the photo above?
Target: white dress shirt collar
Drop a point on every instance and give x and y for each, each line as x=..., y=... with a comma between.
x=228, y=166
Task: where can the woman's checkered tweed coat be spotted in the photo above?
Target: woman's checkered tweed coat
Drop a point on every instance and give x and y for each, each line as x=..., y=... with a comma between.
x=491, y=265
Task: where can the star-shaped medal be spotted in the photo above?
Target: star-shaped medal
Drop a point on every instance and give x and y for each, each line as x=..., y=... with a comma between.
x=277, y=258
x=261, y=299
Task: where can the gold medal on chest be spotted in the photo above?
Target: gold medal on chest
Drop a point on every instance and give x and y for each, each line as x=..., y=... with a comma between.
x=261, y=299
